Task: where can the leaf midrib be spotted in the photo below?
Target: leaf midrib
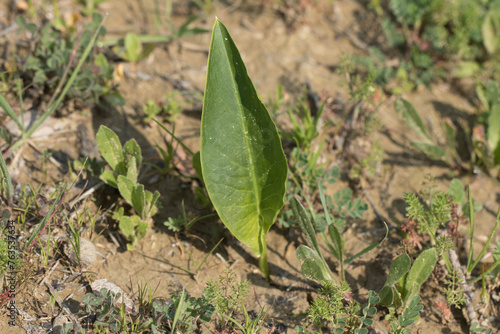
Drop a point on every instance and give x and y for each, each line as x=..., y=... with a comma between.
x=235, y=89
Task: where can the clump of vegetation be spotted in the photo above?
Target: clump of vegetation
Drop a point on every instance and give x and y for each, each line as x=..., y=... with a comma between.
x=433, y=39
x=482, y=138
x=170, y=108
x=125, y=162
x=52, y=59
x=180, y=313
x=242, y=171
x=227, y=295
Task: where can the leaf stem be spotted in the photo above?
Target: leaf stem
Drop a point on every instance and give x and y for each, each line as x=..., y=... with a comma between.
x=263, y=265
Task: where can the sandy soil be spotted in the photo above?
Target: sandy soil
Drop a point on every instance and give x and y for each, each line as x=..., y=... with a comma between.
x=288, y=47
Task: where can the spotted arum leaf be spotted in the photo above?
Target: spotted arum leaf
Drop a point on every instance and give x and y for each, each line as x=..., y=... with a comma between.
x=243, y=164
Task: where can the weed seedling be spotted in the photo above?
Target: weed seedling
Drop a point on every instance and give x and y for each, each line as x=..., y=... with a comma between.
x=125, y=162
x=405, y=279
x=184, y=222
x=336, y=308
x=313, y=263
x=151, y=110
x=227, y=295
x=251, y=326
x=74, y=80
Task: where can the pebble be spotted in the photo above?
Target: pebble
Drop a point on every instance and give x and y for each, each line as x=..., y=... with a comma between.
x=88, y=253
x=59, y=324
x=100, y=284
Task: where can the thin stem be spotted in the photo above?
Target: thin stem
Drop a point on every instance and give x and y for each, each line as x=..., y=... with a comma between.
x=9, y=190
x=485, y=245
x=263, y=265
x=470, y=258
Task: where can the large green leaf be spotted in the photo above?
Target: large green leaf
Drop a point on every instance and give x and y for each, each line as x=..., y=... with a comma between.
x=243, y=164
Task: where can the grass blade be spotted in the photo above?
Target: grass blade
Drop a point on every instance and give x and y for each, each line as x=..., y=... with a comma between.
x=369, y=248
x=6, y=178
x=8, y=110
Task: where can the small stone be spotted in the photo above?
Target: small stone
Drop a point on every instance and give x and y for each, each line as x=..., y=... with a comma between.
x=100, y=284
x=59, y=324
x=88, y=253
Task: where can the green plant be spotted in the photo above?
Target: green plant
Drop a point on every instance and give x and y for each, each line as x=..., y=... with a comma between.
x=135, y=47
x=440, y=211
x=125, y=162
x=52, y=302
x=177, y=314
x=108, y=314
x=243, y=164
x=405, y=279
x=184, y=222
x=491, y=30
x=90, y=5
x=483, y=141
x=52, y=60
x=45, y=250
x=432, y=39
x=151, y=110
x=91, y=165
x=5, y=180
x=171, y=107
x=57, y=97
x=306, y=179
x=485, y=133
x=226, y=295
x=430, y=146
x=134, y=50
x=335, y=307
x=471, y=263
x=45, y=155
x=336, y=243
x=168, y=155
x=313, y=264
x=252, y=325
x=187, y=312
x=305, y=126
x=57, y=200
x=75, y=231
x=408, y=317
x=474, y=328
x=275, y=103
x=454, y=291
